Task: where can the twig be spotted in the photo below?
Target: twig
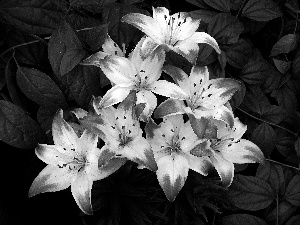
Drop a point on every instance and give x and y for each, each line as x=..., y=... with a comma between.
x=20, y=45
x=282, y=164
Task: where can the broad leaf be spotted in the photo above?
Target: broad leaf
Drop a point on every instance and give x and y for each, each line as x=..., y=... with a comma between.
x=286, y=44
x=225, y=28
x=296, y=64
x=45, y=116
x=297, y=146
x=255, y=71
x=271, y=173
x=251, y=193
x=40, y=88
x=33, y=16
x=17, y=128
x=238, y=96
x=283, y=213
x=245, y=219
x=265, y=137
x=206, y=15
x=199, y=3
x=284, y=144
x=292, y=192
x=220, y=5
x=282, y=66
x=294, y=220
x=64, y=49
x=238, y=54
x=261, y=10
x=286, y=95
x=95, y=6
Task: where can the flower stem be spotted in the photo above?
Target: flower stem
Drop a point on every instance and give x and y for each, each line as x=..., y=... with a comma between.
x=282, y=164
x=20, y=45
x=272, y=124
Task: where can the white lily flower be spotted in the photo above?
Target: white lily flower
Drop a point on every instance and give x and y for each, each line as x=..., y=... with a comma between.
x=138, y=74
x=205, y=98
x=72, y=161
x=171, y=143
x=176, y=32
x=226, y=147
x=109, y=48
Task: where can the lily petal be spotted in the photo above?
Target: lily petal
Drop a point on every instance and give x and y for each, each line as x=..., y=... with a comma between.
x=242, y=151
x=224, y=168
x=114, y=95
x=136, y=56
x=187, y=26
x=177, y=122
x=64, y=135
x=109, y=168
x=202, y=37
x=176, y=73
x=168, y=89
x=187, y=137
x=146, y=24
x=110, y=47
x=51, y=179
x=148, y=47
x=162, y=17
x=169, y=107
x=149, y=99
x=88, y=143
x=188, y=50
x=171, y=174
x=118, y=70
x=94, y=59
x=81, y=191
x=200, y=165
x=225, y=132
x=217, y=92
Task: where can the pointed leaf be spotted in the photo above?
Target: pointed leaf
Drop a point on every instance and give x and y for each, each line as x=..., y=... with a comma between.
x=251, y=193
x=292, y=192
x=245, y=219
x=296, y=64
x=294, y=220
x=169, y=107
x=40, y=88
x=220, y=5
x=17, y=128
x=206, y=15
x=286, y=44
x=64, y=49
x=261, y=10
x=255, y=71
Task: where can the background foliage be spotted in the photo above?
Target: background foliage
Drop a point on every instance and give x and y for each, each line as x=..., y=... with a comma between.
x=42, y=43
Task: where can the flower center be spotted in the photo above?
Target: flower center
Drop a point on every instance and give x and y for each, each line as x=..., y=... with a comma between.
x=124, y=140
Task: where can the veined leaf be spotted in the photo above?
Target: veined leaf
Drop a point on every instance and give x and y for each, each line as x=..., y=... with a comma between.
x=294, y=220
x=251, y=193
x=40, y=88
x=220, y=5
x=282, y=66
x=95, y=6
x=45, y=116
x=296, y=64
x=64, y=49
x=225, y=28
x=255, y=71
x=200, y=3
x=205, y=15
x=286, y=44
x=283, y=213
x=261, y=10
x=286, y=95
x=292, y=192
x=33, y=16
x=17, y=128
x=238, y=96
x=245, y=219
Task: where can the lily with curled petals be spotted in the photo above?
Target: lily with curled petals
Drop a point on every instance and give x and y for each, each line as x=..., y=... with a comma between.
x=205, y=98
x=171, y=143
x=138, y=74
x=225, y=146
x=72, y=161
x=176, y=32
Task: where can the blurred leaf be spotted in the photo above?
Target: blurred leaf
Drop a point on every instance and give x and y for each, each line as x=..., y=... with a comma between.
x=33, y=16
x=95, y=6
x=261, y=10
x=245, y=219
x=292, y=192
x=238, y=54
x=220, y=5
x=238, y=96
x=265, y=137
x=282, y=66
x=236, y=4
x=297, y=146
x=11, y=84
x=271, y=173
x=286, y=44
x=285, y=210
x=255, y=71
x=199, y=3
x=39, y=87
x=29, y=54
x=205, y=15
x=274, y=80
x=86, y=84
x=296, y=64
x=45, y=116
x=284, y=144
x=17, y=128
x=64, y=49
x=294, y=220
x=286, y=96
x=225, y=28
x=250, y=193
x=118, y=31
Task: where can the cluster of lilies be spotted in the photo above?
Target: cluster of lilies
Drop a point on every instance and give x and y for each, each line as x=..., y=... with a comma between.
x=207, y=136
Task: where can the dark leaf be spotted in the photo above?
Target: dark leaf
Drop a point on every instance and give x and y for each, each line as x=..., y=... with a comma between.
x=225, y=28
x=205, y=15
x=282, y=66
x=261, y=10
x=64, y=49
x=17, y=128
x=40, y=88
x=220, y=5
x=286, y=44
x=292, y=192
x=251, y=193
x=33, y=16
x=236, y=4
x=245, y=219
x=294, y=220
x=45, y=116
x=286, y=96
x=238, y=96
x=271, y=173
x=265, y=137
x=255, y=71
x=95, y=6
x=297, y=146
x=238, y=54
x=296, y=64
x=199, y=3
x=199, y=126
x=284, y=144
x=283, y=213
